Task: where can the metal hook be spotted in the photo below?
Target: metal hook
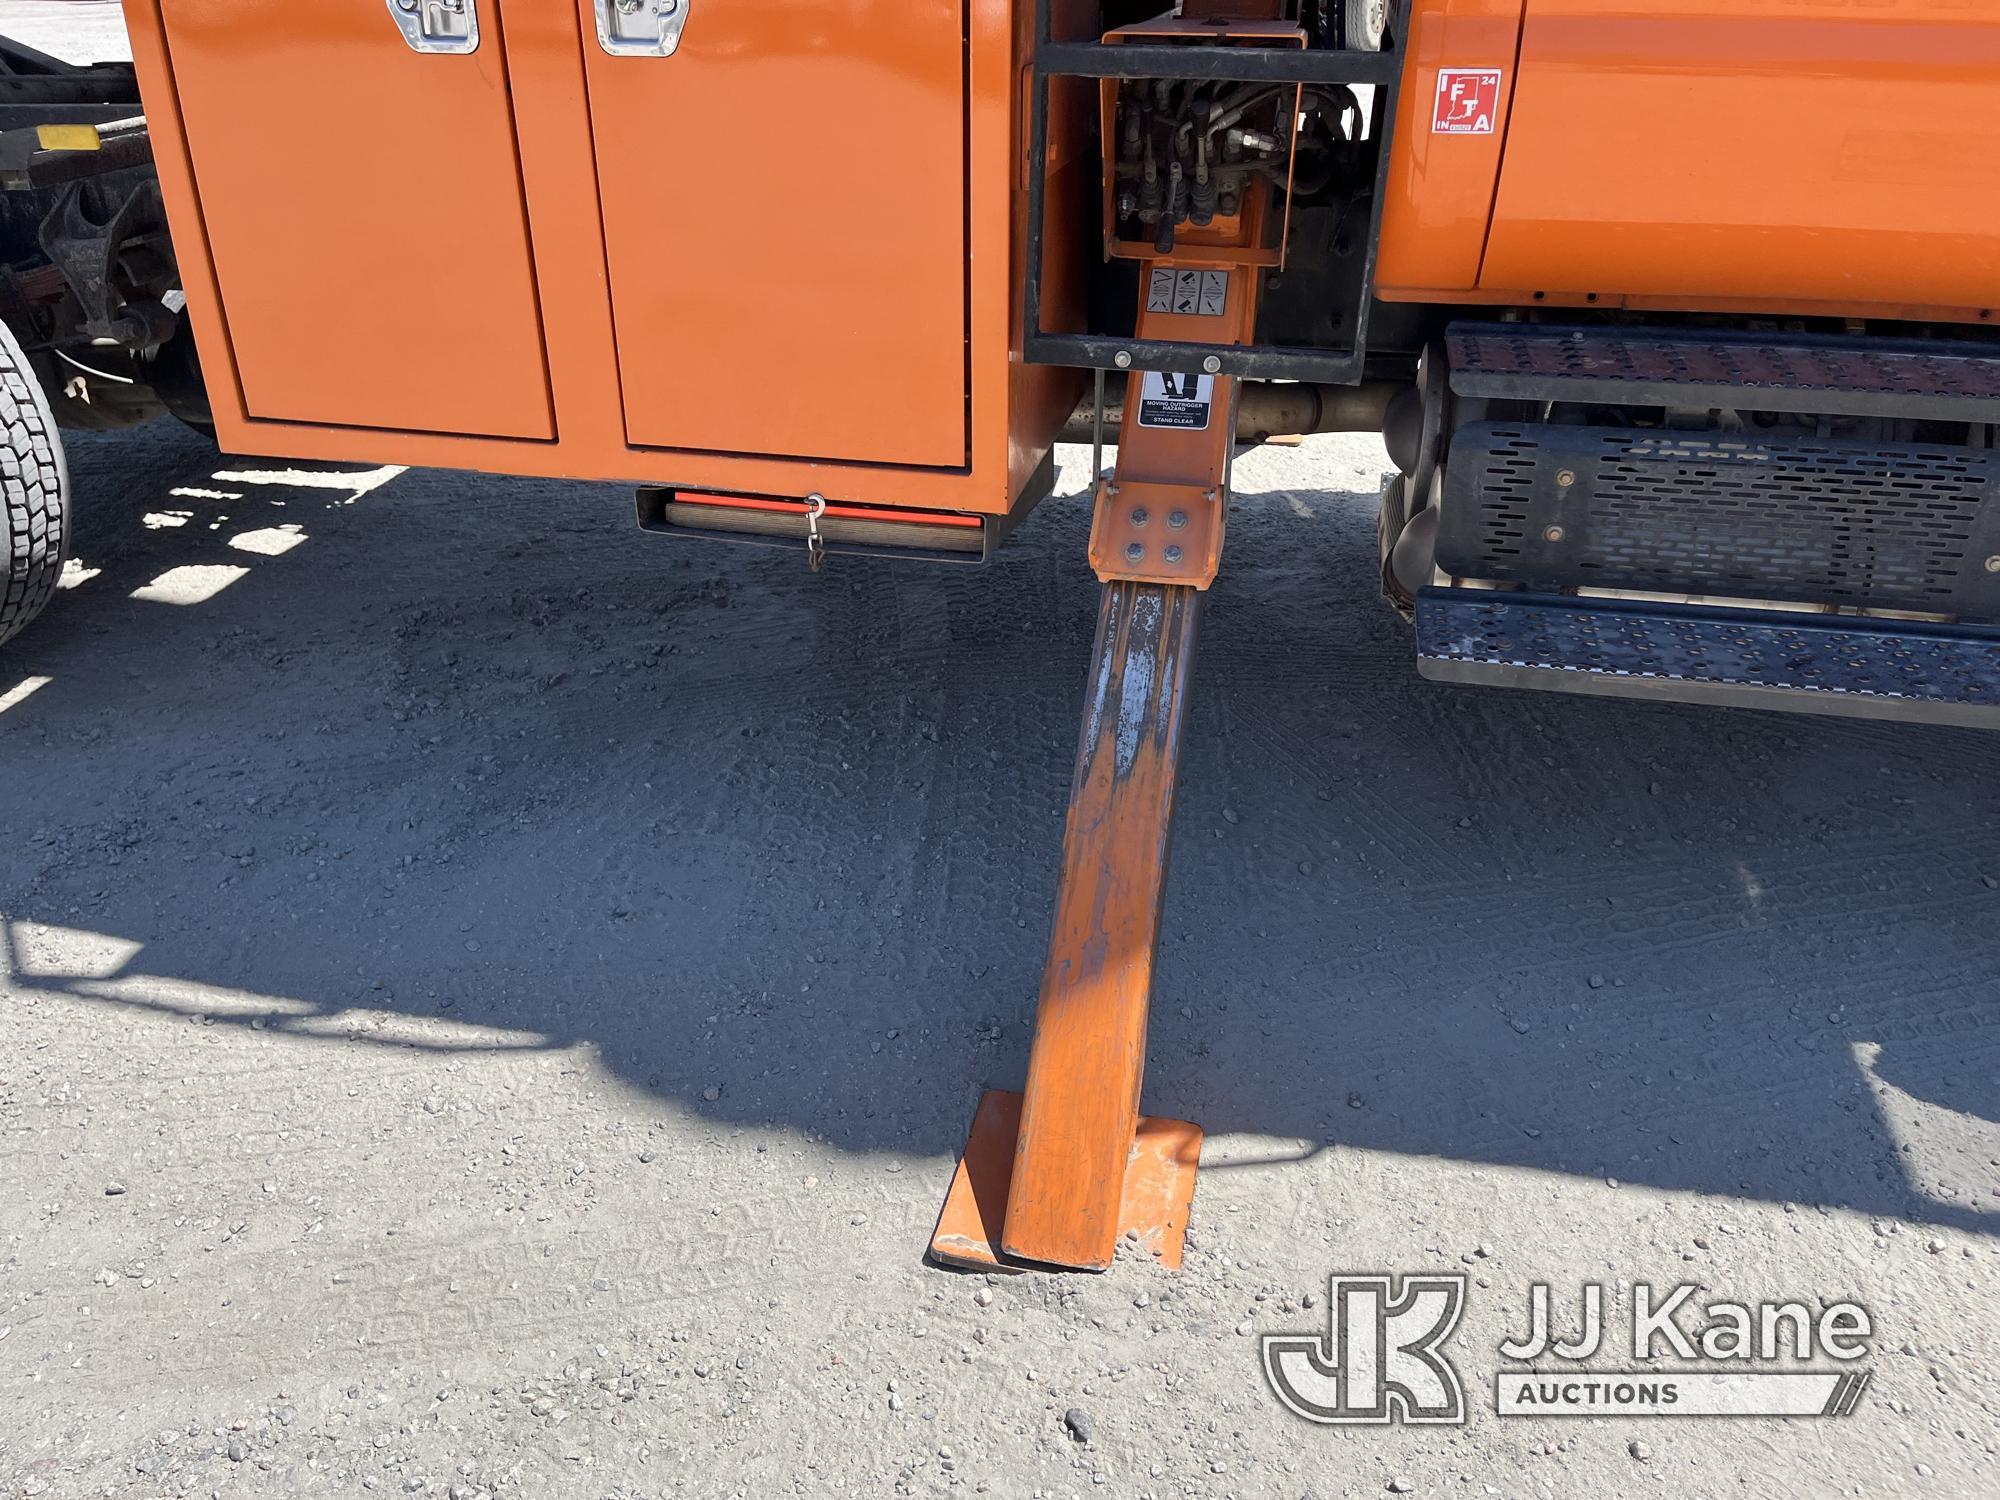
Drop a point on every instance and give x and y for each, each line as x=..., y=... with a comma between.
x=815, y=543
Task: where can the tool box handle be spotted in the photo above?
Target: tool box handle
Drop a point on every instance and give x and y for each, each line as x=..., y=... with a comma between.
x=641, y=28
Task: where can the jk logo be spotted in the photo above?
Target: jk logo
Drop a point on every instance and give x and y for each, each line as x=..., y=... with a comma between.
x=1379, y=1359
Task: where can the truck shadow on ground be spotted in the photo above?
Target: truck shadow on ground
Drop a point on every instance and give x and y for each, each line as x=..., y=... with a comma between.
x=783, y=849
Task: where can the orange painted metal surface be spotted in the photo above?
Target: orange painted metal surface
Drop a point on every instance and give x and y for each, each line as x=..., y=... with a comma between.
x=1819, y=158
x=1701, y=149
x=1152, y=1210
x=1441, y=187
x=1083, y=1168
x=363, y=206
x=1089, y=1054
x=784, y=211
x=1161, y=518
x=1014, y=409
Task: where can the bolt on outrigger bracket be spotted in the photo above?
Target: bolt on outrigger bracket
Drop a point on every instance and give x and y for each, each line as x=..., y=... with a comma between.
x=1056, y=1176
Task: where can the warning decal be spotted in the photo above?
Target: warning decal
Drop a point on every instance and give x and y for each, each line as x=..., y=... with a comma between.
x=1197, y=294
x=1468, y=101
x=1182, y=401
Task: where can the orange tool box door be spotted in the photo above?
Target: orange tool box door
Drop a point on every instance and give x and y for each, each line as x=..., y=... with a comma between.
x=363, y=207
x=1818, y=151
x=784, y=213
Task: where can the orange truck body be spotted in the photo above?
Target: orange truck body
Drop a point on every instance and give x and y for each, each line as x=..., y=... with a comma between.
x=775, y=262
x=787, y=259
x=1807, y=157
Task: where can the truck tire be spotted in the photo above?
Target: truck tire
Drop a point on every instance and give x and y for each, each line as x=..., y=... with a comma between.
x=1366, y=24
x=34, y=493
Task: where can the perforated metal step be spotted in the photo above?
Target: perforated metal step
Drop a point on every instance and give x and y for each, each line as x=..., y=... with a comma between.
x=1941, y=380
x=1878, y=669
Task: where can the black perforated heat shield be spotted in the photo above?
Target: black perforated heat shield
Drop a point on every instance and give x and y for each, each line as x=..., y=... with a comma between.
x=1899, y=526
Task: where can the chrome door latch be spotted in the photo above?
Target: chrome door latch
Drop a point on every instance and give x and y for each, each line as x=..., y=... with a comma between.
x=449, y=26
x=641, y=28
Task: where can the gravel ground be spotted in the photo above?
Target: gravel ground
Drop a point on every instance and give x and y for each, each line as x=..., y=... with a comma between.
x=489, y=1003
x=492, y=1000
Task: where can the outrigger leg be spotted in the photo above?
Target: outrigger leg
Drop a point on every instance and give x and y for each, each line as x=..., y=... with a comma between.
x=1056, y=1175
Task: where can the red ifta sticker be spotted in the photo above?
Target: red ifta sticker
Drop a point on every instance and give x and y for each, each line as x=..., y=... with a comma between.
x=1468, y=101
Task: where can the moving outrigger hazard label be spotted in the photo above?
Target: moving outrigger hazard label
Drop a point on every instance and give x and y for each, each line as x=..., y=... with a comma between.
x=1195, y=294
x=1182, y=401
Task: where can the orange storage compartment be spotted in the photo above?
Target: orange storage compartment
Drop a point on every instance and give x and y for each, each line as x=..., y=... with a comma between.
x=362, y=205
x=1709, y=152
x=785, y=224
x=749, y=247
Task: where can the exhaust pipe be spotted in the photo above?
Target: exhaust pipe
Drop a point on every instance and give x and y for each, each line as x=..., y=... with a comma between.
x=1266, y=409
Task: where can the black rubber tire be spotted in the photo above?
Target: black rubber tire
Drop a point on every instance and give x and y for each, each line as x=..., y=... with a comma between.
x=34, y=493
x=1366, y=23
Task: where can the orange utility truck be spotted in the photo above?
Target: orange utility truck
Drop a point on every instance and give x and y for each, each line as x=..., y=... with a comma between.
x=1677, y=317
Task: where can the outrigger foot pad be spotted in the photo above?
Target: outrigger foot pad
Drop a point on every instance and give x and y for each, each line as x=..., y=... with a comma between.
x=1152, y=1216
